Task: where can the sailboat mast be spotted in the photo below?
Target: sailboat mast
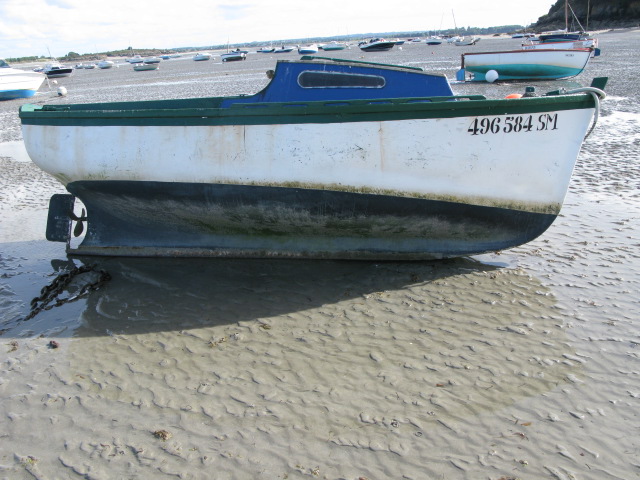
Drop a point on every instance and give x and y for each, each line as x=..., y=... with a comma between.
x=588, y=12
x=566, y=15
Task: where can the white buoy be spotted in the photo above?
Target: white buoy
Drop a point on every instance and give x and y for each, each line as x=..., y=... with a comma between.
x=62, y=91
x=491, y=76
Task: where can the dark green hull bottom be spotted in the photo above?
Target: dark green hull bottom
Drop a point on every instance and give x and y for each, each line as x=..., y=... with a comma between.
x=192, y=220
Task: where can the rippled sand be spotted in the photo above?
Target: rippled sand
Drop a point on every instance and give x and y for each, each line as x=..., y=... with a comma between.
x=523, y=364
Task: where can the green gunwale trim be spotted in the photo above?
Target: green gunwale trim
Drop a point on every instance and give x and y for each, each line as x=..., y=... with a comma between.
x=173, y=113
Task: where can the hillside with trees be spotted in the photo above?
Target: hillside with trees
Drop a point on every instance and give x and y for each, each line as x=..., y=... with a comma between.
x=591, y=15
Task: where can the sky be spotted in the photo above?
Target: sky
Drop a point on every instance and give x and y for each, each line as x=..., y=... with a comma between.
x=40, y=27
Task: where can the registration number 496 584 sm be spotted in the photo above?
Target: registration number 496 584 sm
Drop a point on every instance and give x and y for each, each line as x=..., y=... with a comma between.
x=514, y=124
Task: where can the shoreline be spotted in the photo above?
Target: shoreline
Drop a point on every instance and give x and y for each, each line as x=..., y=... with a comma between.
x=95, y=57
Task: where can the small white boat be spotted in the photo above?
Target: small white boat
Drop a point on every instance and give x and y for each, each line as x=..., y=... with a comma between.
x=465, y=42
x=151, y=60
x=104, y=64
x=376, y=45
x=200, y=56
x=308, y=49
x=89, y=66
x=135, y=59
x=16, y=83
x=56, y=70
x=143, y=67
x=282, y=49
x=266, y=50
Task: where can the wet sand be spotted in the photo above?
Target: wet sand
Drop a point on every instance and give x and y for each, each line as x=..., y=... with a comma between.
x=523, y=364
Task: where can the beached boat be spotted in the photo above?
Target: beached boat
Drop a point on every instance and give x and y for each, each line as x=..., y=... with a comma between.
x=579, y=38
x=310, y=49
x=105, y=64
x=332, y=159
x=145, y=67
x=282, y=49
x=135, y=59
x=333, y=46
x=531, y=44
x=57, y=70
x=234, y=55
x=582, y=38
x=536, y=64
x=434, y=41
x=200, y=57
x=267, y=50
x=16, y=83
x=465, y=42
x=376, y=45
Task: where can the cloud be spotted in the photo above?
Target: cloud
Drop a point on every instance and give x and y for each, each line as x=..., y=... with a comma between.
x=28, y=27
x=233, y=12
x=69, y=5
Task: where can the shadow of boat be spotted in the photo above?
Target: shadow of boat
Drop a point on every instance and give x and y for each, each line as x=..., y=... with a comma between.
x=152, y=294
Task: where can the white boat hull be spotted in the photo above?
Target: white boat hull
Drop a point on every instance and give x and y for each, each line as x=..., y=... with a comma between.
x=16, y=83
x=447, y=163
x=528, y=64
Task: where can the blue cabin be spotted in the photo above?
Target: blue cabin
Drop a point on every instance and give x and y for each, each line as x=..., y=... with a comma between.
x=319, y=79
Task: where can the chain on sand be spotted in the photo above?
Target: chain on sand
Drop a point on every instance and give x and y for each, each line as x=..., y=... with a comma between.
x=50, y=294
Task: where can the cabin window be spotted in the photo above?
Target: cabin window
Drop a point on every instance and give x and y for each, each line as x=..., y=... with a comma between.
x=316, y=79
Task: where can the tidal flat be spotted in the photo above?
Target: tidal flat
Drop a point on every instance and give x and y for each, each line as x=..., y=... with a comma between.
x=523, y=364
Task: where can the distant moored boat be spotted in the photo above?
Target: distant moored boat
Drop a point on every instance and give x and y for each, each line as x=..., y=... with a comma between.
x=199, y=57
x=376, y=45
